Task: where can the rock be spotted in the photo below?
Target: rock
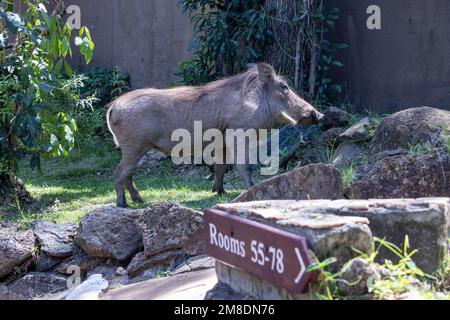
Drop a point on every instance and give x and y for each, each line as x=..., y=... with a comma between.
x=168, y=226
x=89, y=289
x=424, y=221
x=80, y=260
x=251, y=287
x=320, y=151
x=355, y=276
x=55, y=239
x=405, y=177
x=107, y=271
x=35, y=284
x=347, y=154
x=110, y=233
x=121, y=271
x=316, y=181
x=16, y=247
x=223, y=292
x=151, y=160
x=335, y=118
x=3, y=292
x=141, y=262
x=194, y=264
x=360, y=132
x=327, y=235
x=45, y=262
x=410, y=127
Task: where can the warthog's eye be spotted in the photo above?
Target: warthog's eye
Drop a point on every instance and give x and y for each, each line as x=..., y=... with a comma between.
x=284, y=86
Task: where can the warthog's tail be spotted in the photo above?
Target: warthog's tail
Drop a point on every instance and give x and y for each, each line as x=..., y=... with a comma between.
x=108, y=115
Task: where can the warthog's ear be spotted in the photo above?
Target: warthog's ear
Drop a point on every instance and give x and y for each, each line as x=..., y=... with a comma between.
x=266, y=72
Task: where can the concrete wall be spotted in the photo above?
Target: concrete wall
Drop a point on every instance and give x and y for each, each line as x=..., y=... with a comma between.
x=146, y=38
x=406, y=63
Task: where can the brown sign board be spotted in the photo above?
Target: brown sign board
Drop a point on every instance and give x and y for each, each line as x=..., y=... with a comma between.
x=277, y=256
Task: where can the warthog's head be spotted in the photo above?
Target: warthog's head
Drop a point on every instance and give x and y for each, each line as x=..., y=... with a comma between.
x=283, y=102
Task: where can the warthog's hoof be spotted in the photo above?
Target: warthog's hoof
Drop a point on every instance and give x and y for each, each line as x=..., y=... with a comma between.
x=220, y=190
x=137, y=199
x=122, y=205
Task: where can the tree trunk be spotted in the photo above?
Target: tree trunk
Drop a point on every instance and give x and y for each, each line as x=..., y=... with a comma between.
x=281, y=51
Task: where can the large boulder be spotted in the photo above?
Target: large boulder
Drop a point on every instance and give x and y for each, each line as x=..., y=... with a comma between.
x=335, y=118
x=36, y=284
x=315, y=181
x=110, y=233
x=141, y=262
x=56, y=240
x=410, y=127
x=405, y=176
x=16, y=247
x=347, y=154
x=359, y=132
x=168, y=226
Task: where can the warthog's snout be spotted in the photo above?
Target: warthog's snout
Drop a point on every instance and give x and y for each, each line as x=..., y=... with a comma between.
x=317, y=116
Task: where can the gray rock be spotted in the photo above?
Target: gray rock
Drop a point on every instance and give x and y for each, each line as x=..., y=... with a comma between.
x=55, y=239
x=80, y=260
x=140, y=262
x=327, y=235
x=320, y=151
x=359, y=132
x=355, y=276
x=223, y=292
x=110, y=233
x=316, y=181
x=35, y=284
x=45, y=262
x=168, y=226
x=347, y=154
x=243, y=284
x=335, y=118
x=194, y=264
x=3, y=292
x=16, y=247
x=424, y=221
x=410, y=127
x=405, y=177
x=89, y=289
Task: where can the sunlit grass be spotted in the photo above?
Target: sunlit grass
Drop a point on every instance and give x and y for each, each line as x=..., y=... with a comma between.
x=69, y=188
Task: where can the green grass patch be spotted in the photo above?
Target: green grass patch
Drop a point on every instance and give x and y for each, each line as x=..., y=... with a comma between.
x=71, y=187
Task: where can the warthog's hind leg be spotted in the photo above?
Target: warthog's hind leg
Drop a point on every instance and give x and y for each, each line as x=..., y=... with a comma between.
x=245, y=173
x=124, y=178
x=219, y=172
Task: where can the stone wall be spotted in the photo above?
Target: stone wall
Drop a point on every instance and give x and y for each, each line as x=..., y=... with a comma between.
x=146, y=38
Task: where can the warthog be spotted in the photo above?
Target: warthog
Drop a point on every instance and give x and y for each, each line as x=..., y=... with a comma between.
x=145, y=119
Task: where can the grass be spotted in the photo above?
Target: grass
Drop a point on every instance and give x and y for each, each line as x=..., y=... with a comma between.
x=403, y=277
x=348, y=176
x=71, y=187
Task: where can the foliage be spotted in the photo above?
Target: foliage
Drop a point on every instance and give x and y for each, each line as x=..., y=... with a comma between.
x=104, y=83
x=399, y=278
x=348, y=175
x=227, y=36
x=101, y=85
x=33, y=56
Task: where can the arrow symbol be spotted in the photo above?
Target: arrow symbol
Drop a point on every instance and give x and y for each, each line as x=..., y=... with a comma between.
x=302, y=266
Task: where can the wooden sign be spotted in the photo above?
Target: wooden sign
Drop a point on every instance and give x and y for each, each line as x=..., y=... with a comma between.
x=275, y=255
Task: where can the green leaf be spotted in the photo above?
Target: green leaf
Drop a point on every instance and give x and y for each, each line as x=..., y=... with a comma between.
x=337, y=64
x=68, y=68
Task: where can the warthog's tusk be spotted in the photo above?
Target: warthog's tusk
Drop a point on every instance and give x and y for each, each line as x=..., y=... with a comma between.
x=288, y=118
